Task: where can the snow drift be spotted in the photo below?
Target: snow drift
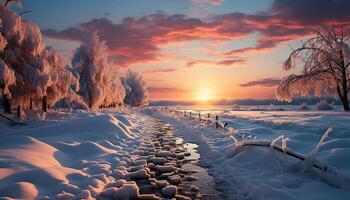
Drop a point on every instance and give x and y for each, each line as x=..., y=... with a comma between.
x=69, y=157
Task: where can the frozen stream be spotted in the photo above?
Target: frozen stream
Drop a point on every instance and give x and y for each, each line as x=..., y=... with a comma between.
x=205, y=182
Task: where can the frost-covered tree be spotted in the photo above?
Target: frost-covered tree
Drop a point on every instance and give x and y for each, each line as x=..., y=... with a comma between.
x=7, y=78
x=29, y=71
x=7, y=75
x=136, y=89
x=63, y=83
x=325, y=59
x=99, y=85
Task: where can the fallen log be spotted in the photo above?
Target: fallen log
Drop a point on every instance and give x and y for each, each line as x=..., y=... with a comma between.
x=12, y=121
x=287, y=152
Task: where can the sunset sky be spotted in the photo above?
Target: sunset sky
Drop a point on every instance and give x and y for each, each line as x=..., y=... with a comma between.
x=190, y=49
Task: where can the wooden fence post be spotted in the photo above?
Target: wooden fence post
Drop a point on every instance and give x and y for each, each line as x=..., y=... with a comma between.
x=217, y=121
x=199, y=115
x=208, y=115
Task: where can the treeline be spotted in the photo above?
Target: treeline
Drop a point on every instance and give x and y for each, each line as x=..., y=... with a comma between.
x=269, y=101
x=295, y=101
x=32, y=75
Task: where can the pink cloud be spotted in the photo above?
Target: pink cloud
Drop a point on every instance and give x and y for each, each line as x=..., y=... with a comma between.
x=212, y=2
x=167, y=90
x=138, y=40
x=161, y=70
x=266, y=82
x=224, y=63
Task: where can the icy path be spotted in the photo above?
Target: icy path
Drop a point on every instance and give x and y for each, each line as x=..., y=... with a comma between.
x=172, y=166
x=206, y=183
x=196, y=182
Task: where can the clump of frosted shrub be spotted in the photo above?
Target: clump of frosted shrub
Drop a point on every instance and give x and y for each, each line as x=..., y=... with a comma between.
x=323, y=105
x=304, y=106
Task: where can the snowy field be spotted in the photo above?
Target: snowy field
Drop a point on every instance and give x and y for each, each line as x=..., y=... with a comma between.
x=108, y=154
x=263, y=173
x=70, y=155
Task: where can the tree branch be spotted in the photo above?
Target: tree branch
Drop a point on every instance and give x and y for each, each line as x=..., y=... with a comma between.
x=24, y=12
x=347, y=65
x=7, y=2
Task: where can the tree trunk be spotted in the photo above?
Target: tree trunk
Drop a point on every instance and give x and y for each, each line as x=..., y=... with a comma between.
x=345, y=102
x=6, y=104
x=344, y=96
x=19, y=111
x=44, y=104
x=31, y=104
x=90, y=101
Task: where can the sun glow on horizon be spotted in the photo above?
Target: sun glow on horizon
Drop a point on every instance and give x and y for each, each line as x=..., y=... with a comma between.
x=205, y=95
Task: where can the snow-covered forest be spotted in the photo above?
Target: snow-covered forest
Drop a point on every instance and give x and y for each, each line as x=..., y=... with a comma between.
x=32, y=75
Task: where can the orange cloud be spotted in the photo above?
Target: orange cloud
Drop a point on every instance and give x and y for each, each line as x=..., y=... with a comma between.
x=160, y=70
x=266, y=82
x=217, y=63
x=138, y=40
x=212, y=2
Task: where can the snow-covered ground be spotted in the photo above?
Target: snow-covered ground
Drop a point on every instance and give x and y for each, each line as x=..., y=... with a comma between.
x=83, y=155
x=263, y=173
x=107, y=154
x=72, y=154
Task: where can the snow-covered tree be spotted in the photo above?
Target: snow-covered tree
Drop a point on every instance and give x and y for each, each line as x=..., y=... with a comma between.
x=7, y=78
x=3, y=41
x=29, y=71
x=136, y=89
x=99, y=85
x=63, y=83
x=325, y=59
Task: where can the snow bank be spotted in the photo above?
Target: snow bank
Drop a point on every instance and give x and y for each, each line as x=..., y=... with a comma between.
x=70, y=155
x=20, y=190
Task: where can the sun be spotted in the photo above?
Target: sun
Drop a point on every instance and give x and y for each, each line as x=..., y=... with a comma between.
x=205, y=95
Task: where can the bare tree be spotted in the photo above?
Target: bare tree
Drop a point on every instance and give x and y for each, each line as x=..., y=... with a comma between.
x=325, y=59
